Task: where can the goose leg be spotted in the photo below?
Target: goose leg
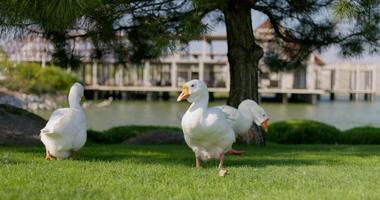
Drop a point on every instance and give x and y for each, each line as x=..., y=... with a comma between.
x=197, y=161
x=222, y=172
x=234, y=152
x=48, y=156
x=221, y=163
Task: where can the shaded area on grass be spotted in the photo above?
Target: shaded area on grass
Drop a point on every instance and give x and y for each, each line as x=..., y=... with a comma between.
x=273, y=154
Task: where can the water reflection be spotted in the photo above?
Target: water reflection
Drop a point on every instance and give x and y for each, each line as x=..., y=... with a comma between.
x=342, y=114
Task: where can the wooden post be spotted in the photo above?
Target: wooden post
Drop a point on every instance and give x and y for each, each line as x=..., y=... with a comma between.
x=211, y=49
x=112, y=72
x=96, y=95
x=201, y=70
x=366, y=96
x=146, y=74
x=284, y=98
x=95, y=73
x=228, y=81
x=334, y=77
x=373, y=95
x=121, y=75
x=202, y=59
x=134, y=75
x=356, y=96
x=123, y=95
x=313, y=99
x=173, y=72
x=332, y=96
x=369, y=97
x=43, y=59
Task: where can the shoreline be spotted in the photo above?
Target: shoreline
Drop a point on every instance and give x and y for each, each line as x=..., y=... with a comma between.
x=30, y=102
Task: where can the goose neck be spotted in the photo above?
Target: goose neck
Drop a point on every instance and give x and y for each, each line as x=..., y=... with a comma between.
x=200, y=103
x=74, y=101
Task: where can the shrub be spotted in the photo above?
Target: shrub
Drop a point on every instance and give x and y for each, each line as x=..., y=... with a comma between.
x=361, y=135
x=121, y=133
x=32, y=78
x=302, y=132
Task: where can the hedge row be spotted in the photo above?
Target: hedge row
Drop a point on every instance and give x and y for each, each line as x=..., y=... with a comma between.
x=283, y=132
x=312, y=132
x=32, y=78
x=119, y=134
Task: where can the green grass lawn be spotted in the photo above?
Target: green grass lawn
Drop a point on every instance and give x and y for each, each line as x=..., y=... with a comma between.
x=167, y=172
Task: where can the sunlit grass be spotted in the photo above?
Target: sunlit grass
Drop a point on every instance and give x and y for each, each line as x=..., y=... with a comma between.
x=167, y=172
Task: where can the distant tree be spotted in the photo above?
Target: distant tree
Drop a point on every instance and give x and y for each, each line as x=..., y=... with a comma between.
x=151, y=26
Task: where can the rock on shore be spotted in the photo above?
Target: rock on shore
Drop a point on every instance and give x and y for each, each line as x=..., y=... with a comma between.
x=29, y=101
x=18, y=126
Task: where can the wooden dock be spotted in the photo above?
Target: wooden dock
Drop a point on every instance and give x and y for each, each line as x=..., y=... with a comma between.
x=352, y=80
x=168, y=74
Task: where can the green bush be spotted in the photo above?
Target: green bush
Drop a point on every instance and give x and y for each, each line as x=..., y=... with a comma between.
x=32, y=78
x=302, y=132
x=119, y=134
x=361, y=135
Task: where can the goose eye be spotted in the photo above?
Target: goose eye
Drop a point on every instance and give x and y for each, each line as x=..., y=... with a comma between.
x=192, y=85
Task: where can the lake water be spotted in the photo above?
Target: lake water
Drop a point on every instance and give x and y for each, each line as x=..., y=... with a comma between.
x=341, y=113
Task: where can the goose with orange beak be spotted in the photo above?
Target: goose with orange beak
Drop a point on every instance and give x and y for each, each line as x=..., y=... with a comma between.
x=242, y=118
x=210, y=132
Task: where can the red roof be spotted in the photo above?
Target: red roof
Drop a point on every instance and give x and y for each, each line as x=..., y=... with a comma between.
x=318, y=60
x=266, y=25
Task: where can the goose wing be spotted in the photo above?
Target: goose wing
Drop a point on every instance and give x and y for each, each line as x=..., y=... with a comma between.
x=61, y=121
x=55, y=120
x=232, y=116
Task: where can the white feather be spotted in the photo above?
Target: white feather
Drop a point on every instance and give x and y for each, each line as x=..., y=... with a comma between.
x=209, y=132
x=241, y=119
x=66, y=128
x=206, y=130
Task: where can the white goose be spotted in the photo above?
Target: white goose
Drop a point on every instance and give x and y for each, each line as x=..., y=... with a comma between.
x=241, y=119
x=210, y=132
x=65, y=133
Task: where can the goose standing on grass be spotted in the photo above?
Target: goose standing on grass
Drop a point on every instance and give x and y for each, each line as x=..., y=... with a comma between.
x=65, y=133
x=241, y=119
x=210, y=132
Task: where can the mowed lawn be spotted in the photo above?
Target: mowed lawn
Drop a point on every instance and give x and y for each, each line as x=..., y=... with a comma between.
x=167, y=172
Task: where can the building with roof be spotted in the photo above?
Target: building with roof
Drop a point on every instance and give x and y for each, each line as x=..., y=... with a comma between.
x=170, y=71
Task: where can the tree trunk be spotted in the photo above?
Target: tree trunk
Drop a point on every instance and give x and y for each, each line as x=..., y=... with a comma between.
x=243, y=56
x=243, y=53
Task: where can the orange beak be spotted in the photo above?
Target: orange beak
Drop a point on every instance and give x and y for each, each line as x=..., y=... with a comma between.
x=265, y=125
x=184, y=94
